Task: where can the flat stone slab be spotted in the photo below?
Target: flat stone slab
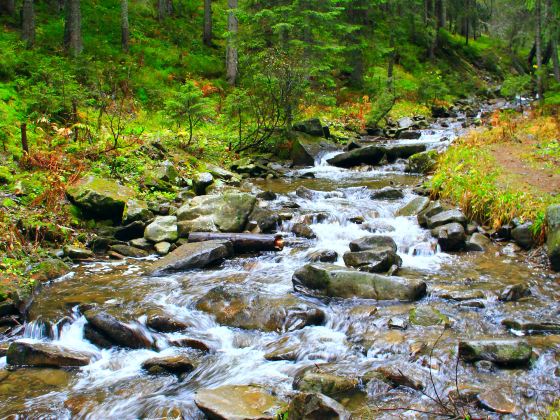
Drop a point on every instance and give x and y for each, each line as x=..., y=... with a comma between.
x=192, y=255
x=24, y=353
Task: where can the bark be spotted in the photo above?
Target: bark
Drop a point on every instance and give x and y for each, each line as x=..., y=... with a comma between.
x=8, y=7
x=125, y=30
x=207, y=30
x=24, y=145
x=242, y=242
x=73, y=28
x=28, y=23
x=555, y=64
x=165, y=9
x=538, y=47
x=231, y=50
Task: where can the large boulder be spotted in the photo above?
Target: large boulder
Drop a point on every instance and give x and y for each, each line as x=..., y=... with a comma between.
x=553, y=236
x=370, y=155
x=451, y=237
x=377, y=243
x=201, y=182
x=413, y=207
x=435, y=207
x=523, y=235
x=100, y=198
x=315, y=406
x=192, y=255
x=225, y=213
x=508, y=352
x=117, y=332
x=332, y=385
x=312, y=127
x=446, y=217
x=325, y=280
x=375, y=254
x=387, y=193
x=422, y=163
x=163, y=228
x=257, y=312
x=238, y=402
x=478, y=242
x=24, y=353
x=306, y=148
x=136, y=210
x=402, y=151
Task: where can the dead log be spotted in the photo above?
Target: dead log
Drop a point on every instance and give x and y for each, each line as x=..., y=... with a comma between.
x=242, y=242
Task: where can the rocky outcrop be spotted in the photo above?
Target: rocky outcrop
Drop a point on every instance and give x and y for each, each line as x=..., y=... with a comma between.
x=192, y=255
x=24, y=353
x=245, y=402
x=211, y=213
x=325, y=280
x=553, y=236
x=315, y=406
x=507, y=352
x=257, y=312
x=100, y=198
x=116, y=331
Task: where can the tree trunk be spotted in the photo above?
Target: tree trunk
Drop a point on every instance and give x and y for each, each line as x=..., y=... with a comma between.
x=28, y=23
x=125, y=31
x=231, y=50
x=442, y=14
x=538, y=44
x=207, y=31
x=8, y=7
x=467, y=21
x=24, y=145
x=165, y=9
x=555, y=63
x=73, y=28
x=242, y=242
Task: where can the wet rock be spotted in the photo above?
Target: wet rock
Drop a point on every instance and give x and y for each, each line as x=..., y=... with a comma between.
x=397, y=324
x=447, y=217
x=314, y=406
x=375, y=243
x=96, y=338
x=532, y=326
x=306, y=149
x=301, y=230
x=283, y=349
x=387, y=193
x=451, y=237
x=100, y=198
x=191, y=343
x=370, y=155
x=323, y=255
x=192, y=255
x=129, y=251
x=8, y=307
x=334, y=386
x=462, y=295
x=358, y=220
x=230, y=402
x=256, y=312
x=372, y=261
x=485, y=366
x=402, y=151
x=228, y=212
x=48, y=269
x=312, y=218
x=378, y=226
x=413, y=207
x=308, y=194
x=201, y=181
x=523, y=235
x=514, y=292
x=266, y=220
x=325, y=280
x=117, y=332
x=166, y=324
x=267, y=196
x=422, y=163
x=495, y=400
x=503, y=232
x=136, y=211
x=434, y=208
x=409, y=135
x=24, y=353
x=427, y=316
x=163, y=228
x=77, y=253
x=175, y=364
x=478, y=242
x=406, y=375
x=506, y=352
x=142, y=243
x=553, y=236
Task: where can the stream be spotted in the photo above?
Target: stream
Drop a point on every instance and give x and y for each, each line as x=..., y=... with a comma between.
x=354, y=338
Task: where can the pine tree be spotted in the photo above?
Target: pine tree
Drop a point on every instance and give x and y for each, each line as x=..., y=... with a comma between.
x=73, y=28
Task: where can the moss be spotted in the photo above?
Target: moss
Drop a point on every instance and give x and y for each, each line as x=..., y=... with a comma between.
x=6, y=176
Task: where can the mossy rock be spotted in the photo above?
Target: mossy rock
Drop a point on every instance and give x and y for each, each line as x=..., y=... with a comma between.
x=422, y=163
x=553, y=238
x=100, y=198
x=6, y=176
x=427, y=316
x=49, y=269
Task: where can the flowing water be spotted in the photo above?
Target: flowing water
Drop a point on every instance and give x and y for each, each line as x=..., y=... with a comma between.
x=354, y=339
